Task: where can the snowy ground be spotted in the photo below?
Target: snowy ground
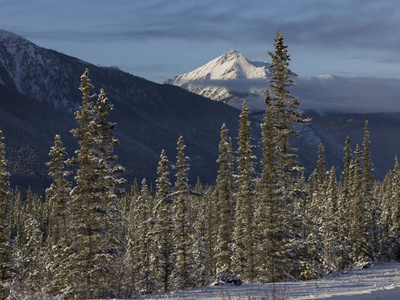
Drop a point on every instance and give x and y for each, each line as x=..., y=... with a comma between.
x=378, y=282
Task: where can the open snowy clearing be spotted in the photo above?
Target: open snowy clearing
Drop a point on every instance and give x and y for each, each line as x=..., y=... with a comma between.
x=378, y=282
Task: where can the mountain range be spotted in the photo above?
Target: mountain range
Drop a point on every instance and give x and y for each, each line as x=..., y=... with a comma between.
x=232, y=78
x=39, y=93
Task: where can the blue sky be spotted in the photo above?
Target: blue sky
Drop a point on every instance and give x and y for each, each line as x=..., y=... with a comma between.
x=157, y=39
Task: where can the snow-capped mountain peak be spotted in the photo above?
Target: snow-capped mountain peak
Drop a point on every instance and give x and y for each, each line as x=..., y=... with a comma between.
x=230, y=65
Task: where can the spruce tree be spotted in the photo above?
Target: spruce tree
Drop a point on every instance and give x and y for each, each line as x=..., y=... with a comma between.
x=164, y=228
x=223, y=197
x=394, y=229
x=97, y=246
x=358, y=226
x=385, y=216
x=286, y=107
x=30, y=260
x=244, y=213
x=57, y=197
x=7, y=267
x=331, y=231
x=184, y=228
x=348, y=160
x=58, y=193
x=271, y=228
x=370, y=199
x=108, y=190
x=137, y=259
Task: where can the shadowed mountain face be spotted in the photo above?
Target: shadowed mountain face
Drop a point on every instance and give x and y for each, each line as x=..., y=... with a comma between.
x=39, y=93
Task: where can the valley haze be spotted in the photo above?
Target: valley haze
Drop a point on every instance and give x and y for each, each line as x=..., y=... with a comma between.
x=232, y=78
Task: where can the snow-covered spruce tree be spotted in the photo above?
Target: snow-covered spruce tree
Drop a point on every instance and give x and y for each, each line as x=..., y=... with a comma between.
x=57, y=198
x=316, y=208
x=96, y=246
x=358, y=216
x=286, y=107
x=199, y=210
x=164, y=228
x=244, y=230
x=146, y=283
x=58, y=193
x=183, y=273
x=348, y=161
x=7, y=267
x=30, y=260
x=16, y=214
x=331, y=243
x=224, y=208
x=385, y=194
x=287, y=116
x=370, y=199
x=317, y=219
x=210, y=216
x=394, y=227
x=137, y=256
x=271, y=228
x=108, y=189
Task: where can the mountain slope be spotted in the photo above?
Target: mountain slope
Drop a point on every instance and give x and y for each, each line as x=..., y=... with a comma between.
x=39, y=92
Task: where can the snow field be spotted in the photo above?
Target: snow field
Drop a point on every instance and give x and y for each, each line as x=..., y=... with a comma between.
x=378, y=282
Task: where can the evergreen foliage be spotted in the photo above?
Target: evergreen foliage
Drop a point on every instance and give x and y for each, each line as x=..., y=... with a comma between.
x=164, y=227
x=95, y=224
x=244, y=251
x=7, y=268
x=224, y=205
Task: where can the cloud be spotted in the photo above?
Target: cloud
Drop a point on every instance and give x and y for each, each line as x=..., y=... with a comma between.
x=355, y=95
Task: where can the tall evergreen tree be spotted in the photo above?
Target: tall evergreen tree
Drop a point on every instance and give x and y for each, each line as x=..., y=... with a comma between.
x=370, y=199
x=394, y=229
x=138, y=253
x=331, y=230
x=96, y=247
x=58, y=193
x=30, y=260
x=184, y=228
x=244, y=212
x=57, y=197
x=287, y=111
x=223, y=196
x=348, y=160
x=271, y=209
x=358, y=226
x=164, y=228
x=108, y=189
x=7, y=267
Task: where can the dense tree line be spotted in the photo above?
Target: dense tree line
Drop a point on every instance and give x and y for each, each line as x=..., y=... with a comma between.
x=89, y=239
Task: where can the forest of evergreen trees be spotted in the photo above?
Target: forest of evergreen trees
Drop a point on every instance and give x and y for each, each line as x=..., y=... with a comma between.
x=89, y=239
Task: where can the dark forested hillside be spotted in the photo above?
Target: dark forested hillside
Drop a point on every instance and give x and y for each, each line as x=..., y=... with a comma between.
x=39, y=92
